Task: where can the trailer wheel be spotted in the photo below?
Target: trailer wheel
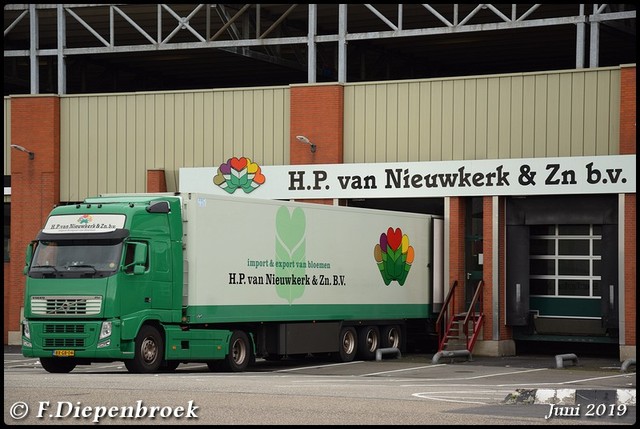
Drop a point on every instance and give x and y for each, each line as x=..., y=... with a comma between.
x=149, y=351
x=273, y=357
x=239, y=353
x=348, y=344
x=368, y=342
x=57, y=365
x=215, y=365
x=391, y=336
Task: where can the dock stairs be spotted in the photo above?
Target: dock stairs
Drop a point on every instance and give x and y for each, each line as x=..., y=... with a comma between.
x=459, y=331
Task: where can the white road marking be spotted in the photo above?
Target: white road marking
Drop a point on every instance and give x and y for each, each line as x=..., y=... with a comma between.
x=403, y=369
x=319, y=366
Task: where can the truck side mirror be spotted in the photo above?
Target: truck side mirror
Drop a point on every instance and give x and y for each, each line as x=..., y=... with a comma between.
x=138, y=261
x=140, y=254
x=28, y=257
x=140, y=258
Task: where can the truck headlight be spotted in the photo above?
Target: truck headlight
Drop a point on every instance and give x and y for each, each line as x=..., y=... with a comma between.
x=25, y=329
x=105, y=330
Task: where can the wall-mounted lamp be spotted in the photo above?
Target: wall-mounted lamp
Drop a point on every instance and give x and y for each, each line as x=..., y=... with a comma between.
x=305, y=140
x=22, y=149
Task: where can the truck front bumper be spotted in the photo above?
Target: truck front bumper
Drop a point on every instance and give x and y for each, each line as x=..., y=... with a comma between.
x=73, y=339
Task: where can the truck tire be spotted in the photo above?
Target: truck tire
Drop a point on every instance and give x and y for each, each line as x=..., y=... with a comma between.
x=148, y=353
x=215, y=365
x=57, y=365
x=348, y=344
x=170, y=365
x=391, y=336
x=368, y=342
x=239, y=353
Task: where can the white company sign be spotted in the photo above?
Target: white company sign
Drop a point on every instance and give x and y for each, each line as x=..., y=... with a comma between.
x=522, y=176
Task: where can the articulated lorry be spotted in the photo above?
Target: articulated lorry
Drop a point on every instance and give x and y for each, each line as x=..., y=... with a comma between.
x=155, y=280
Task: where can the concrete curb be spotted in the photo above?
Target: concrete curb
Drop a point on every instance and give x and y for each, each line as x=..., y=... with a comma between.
x=572, y=396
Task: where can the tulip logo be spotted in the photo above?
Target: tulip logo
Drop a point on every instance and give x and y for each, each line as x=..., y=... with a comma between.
x=239, y=173
x=394, y=256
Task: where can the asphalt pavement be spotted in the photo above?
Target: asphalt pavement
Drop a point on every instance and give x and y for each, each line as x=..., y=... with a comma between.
x=592, y=384
x=526, y=360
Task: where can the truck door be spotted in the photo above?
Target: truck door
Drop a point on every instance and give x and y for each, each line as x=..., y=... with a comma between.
x=136, y=285
x=161, y=274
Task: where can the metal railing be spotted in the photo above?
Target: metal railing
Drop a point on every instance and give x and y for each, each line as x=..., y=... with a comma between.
x=473, y=318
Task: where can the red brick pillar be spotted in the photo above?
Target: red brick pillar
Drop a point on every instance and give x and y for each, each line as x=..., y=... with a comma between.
x=35, y=190
x=456, y=249
x=156, y=181
x=505, y=331
x=628, y=146
x=317, y=112
x=490, y=276
x=487, y=267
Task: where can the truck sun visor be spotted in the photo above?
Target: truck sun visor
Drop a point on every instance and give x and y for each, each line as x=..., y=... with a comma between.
x=118, y=234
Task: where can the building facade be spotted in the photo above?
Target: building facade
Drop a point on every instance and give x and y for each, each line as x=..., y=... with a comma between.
x=532, y=171
x=554, y=265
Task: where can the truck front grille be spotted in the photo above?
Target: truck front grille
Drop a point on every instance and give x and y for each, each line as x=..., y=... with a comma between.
x=63, y=329
x=64, y=342
x=66, y=305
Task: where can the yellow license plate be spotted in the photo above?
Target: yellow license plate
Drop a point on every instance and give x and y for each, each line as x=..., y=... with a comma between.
x=64, y=353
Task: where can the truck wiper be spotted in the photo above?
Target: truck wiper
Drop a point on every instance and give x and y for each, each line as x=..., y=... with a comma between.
x=82, y=266
x=46, y=266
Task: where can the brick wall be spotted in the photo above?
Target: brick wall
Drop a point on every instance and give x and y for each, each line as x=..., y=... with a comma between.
x=317, y=112
x=628, y=146
x=156, y=181
x=487, y=267
x=505, y=331
x=456, y=249
x=35, y=188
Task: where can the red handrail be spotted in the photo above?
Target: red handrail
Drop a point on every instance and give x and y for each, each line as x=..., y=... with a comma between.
x=447, y=317
x=476, y=320
x=446, y=314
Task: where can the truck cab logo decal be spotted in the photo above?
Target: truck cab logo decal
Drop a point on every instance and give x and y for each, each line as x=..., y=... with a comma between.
x=239, y=173
x=394, y=256
x=72, y=223
x=85, y=219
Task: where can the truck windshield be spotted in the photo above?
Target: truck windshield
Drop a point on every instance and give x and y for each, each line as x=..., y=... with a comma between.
x=76, y=258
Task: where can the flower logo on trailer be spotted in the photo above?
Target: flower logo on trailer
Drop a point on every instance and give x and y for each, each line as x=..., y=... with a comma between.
x=394, y=256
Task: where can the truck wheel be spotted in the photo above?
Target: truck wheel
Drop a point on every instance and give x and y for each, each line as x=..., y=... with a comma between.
x=170, y=365
x=348, y=343
x=57, y=366
x=391, y=336
x=149, y=351
x=368, y=342
x=239, y=353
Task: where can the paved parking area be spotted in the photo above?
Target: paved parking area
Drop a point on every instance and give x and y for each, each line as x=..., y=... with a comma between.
x=512, y=390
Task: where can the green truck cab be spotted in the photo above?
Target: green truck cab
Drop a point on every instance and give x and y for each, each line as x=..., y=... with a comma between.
x=101, y=285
